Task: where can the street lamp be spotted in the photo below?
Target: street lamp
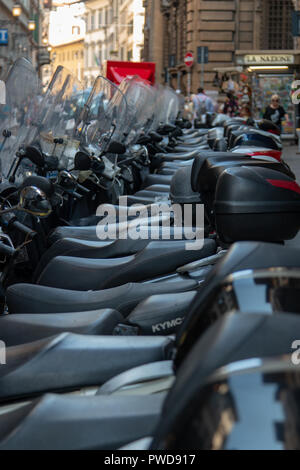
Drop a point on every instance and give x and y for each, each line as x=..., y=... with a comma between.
x=31, y=25
x=16, y=10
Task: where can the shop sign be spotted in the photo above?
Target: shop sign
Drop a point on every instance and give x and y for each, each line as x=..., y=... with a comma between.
x=269, y=59
x=3, y=37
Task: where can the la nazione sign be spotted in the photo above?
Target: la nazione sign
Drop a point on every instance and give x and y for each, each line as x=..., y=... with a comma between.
x=269, y=59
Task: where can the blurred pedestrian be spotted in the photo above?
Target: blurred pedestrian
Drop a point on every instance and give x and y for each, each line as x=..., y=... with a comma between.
x=202, y=103
x=188, y=108
x=275, y=112
x=231, y=105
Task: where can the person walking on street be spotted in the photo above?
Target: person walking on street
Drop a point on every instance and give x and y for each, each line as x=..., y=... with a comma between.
x=202, y=103
x=275, y=112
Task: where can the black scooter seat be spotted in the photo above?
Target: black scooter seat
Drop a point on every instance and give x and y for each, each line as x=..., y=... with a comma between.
x=176, y=165
x=25, y=328
x=192, y=141
x=187, y=148
x=97, y=249
x=184, y=155
x=147, y=198
x=90, y=249
x=156, y=259
x=157, y=179
x=56, y=422
x=30, y=298
x=69, y=361
x=90, y=232
x=159, y=188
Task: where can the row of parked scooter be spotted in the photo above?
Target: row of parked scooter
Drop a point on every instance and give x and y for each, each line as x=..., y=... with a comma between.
x=113, y=341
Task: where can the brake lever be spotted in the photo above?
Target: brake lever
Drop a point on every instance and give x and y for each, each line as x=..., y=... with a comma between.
x=83, y=188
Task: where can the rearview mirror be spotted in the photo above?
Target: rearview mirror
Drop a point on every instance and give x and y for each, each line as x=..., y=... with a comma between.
x=82, y=161
x=34, y=155
x=116, y=147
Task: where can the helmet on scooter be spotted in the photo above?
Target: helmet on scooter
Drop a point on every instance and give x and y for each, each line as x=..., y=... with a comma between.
x=268, y=126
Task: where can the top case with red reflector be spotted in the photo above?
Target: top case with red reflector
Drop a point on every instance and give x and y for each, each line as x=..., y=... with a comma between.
x=291, y=185
x=276, y=154
x=256, y=204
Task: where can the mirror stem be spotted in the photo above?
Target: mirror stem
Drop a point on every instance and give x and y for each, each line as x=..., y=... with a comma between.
x=10, y=209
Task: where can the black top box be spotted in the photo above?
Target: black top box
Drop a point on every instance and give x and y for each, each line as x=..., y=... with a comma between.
x=256, y=204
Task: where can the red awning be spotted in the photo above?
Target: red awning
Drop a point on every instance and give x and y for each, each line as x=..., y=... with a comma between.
x=116, y=71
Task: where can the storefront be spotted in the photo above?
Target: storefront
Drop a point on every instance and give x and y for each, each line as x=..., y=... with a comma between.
x=272, y=72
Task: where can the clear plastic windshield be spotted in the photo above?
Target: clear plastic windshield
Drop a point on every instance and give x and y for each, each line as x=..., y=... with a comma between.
x=166, y=106
x=59, y=116
x=103, y=116
x=141, y=100
x=170, y=108
x=18, y=106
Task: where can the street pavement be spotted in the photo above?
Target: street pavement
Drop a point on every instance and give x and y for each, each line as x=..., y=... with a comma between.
x=292, y=158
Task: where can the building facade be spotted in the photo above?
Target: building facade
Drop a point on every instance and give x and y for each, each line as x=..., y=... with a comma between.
x=71, y=55
x=114, y=31
x=231, y=30
x=64, y=32
x=20, y=32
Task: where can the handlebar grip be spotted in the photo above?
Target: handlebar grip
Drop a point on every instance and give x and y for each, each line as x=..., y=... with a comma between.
x=75, y=194
x=22, y=228
x=83, y=188
x=6, y=250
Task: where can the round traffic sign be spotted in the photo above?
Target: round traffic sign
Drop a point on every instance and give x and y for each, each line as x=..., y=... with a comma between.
x=189, y=59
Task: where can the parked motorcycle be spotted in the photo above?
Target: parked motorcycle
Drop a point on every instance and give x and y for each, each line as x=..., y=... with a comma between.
x=79, y=327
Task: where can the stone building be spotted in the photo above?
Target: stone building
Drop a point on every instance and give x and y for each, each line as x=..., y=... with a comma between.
x=233, y=31
x=20, y=32
x=71, y=56
x=114, y=31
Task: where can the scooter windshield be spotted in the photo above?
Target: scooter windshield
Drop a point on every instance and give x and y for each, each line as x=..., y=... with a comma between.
x=141, y=100
x=167, y=106
x=59, y=116
x=20, y=93
x=157, y=107
x=102, y=116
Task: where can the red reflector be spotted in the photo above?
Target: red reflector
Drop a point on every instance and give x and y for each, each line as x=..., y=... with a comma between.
x=291, y=185
x=268, y=153
x=272, y=131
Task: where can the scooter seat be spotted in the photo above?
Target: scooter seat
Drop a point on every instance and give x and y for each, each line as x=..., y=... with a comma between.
x=147, y=198
x=25, y=328
x=97, y=249
x=31, y=298
x=83, y=233
x=91, y=274
x=187, y=148
x=194, y=132
x=69, y=361
x=90, y=232
x=157, y=179
x=177, y=164
x=159, y=188
x=192, y=140
x=55, y=422
x=184, y=155
x=90, y=249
